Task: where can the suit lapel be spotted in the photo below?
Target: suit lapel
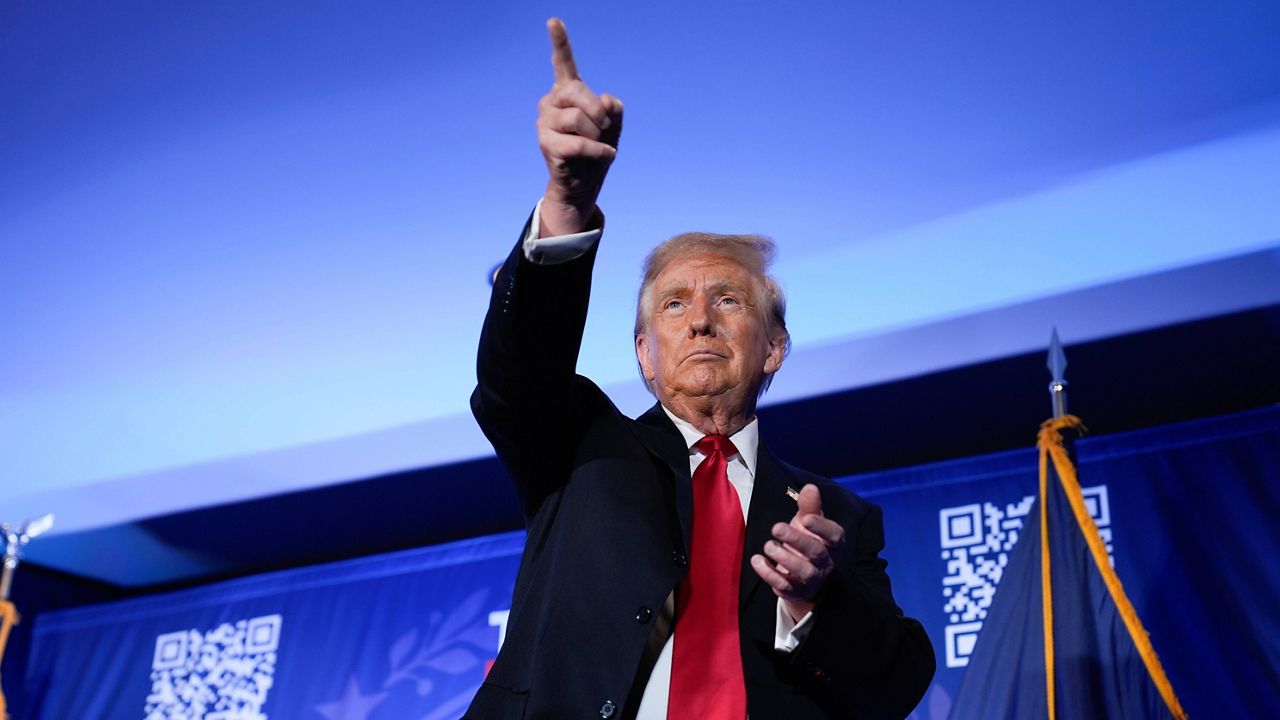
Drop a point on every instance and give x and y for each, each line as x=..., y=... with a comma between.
x=770, y=504
x=769, y=500
x=661, y=438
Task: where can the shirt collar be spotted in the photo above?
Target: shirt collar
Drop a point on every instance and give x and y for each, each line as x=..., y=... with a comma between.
x=746, y=440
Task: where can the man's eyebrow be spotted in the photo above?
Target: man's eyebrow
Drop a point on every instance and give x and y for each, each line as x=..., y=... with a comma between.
x=675, y=288
x=728, y=286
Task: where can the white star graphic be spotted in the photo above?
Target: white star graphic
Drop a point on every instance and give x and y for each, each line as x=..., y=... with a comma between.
x=353, y=705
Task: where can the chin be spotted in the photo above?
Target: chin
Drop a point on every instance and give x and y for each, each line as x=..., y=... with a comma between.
x=709, y=388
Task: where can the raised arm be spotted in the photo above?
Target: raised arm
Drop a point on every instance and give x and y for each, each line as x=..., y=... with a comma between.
x=526, y=397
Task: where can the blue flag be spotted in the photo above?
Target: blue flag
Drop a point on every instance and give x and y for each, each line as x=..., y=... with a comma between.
x=1083, y=654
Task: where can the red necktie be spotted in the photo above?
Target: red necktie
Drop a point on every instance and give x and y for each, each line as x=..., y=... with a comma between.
x=706, y=664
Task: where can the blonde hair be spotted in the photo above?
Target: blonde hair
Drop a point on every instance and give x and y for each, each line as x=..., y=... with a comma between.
x=753, y=252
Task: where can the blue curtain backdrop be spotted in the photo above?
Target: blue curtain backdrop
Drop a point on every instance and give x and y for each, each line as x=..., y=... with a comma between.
x=1189, y=513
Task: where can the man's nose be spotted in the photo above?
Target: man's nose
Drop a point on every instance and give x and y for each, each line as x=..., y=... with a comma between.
x=701, y=318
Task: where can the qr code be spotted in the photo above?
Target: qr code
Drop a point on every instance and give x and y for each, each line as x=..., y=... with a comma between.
x=976, y=540
x=218, y=674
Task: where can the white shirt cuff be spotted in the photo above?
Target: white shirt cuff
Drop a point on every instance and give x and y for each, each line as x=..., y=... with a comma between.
x=788, y=633
x=558, y=249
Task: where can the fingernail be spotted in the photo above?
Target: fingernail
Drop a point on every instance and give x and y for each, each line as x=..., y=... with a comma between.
x=607, y=122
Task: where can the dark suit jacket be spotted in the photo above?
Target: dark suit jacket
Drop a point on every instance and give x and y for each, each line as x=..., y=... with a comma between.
x=609, y=506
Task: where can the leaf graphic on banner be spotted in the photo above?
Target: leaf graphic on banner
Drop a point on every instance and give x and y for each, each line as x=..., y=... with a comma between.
x=464, y=613
x=441, y=646
x=402, y=647
x=455, y=661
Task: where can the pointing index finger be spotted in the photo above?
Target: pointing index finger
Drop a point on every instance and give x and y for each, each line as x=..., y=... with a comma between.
x=561, y=51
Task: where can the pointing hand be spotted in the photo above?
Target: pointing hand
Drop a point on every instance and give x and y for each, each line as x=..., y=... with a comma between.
x=578, y=133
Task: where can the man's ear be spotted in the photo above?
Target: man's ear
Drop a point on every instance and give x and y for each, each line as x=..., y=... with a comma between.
x=643, y=357
x=777, y=353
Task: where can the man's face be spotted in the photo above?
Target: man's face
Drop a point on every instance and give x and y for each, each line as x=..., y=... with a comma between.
x=707, y=333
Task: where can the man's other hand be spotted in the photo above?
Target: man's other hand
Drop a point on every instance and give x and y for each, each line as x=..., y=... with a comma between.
x=797, y=561
x=578, y=133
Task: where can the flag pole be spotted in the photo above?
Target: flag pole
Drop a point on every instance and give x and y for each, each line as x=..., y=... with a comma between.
x=1053, y=450
x=1057, y=368
x=1057, y=365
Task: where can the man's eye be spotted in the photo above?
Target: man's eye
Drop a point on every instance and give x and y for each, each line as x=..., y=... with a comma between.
x=673, y=305
x=729, y=300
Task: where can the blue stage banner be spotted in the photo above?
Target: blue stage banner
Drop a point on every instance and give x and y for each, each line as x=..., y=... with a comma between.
x=1188, y=512
x=405, y=635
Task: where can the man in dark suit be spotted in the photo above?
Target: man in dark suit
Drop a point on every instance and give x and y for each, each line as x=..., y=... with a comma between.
x=674, y=567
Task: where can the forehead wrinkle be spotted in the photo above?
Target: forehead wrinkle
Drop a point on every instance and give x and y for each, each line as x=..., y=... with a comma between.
x=725, y=285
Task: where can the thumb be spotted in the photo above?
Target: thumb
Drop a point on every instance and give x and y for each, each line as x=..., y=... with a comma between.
x=810, y=500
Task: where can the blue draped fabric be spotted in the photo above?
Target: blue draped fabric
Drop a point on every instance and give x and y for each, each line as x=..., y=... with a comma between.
x=1189, y=513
